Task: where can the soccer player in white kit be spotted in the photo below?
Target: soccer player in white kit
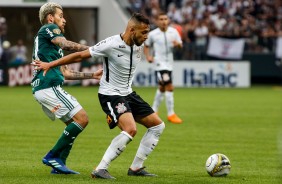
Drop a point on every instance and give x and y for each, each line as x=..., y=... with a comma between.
x=123, y=106
x=162, y=41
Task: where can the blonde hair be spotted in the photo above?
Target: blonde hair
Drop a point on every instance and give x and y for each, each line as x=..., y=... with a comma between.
x=46, y=9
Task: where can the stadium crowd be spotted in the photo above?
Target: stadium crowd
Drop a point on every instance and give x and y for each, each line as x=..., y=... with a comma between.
x=258, y=21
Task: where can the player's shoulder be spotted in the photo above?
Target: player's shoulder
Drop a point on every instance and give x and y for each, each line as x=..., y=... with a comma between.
x=171, y=29
x=114, y=39
x=51, y=29
x=109, y=42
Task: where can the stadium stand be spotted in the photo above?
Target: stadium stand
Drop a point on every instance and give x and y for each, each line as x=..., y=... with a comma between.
x=258, y=21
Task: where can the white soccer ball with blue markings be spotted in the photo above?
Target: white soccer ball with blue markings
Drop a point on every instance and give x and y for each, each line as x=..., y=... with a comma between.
x=218, y=165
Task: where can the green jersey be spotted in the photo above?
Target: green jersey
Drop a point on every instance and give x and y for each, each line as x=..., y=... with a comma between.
x=44, y=50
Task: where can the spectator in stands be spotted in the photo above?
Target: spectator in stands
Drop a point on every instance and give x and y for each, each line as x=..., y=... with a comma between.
x=190, y=39
x=4, y=60
x=3, y=28
x=201, y=33
x=19, y=52
x=225, y=18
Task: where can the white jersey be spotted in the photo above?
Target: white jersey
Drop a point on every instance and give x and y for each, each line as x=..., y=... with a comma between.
x=162, y=43
x=119, y=65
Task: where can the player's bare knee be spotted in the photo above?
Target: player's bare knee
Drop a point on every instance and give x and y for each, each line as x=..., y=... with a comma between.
x=132, y=131
x=83, y=120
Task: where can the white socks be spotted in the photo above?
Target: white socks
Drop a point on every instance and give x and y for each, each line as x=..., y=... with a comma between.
x=169, y=102
x=118, y=144
x=147, y=145
x=158, y=99
x=116, y=147
x=168, y=99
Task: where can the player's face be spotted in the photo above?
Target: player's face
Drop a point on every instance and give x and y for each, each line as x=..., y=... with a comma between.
x=60, y=20
x=163, y=22
x=140, y=34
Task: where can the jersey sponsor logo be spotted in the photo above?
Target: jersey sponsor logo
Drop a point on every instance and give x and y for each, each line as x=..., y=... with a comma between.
x=121, y=108
x=57, y=31
x=35, y=83
x=121, y=46
x=49, y=32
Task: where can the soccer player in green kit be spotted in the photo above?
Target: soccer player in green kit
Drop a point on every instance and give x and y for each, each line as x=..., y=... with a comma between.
x=49, y=44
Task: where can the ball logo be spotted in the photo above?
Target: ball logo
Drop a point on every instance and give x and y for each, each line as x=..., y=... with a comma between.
x=209, y=162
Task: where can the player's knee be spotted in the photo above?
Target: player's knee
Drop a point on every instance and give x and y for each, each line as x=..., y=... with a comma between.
x=132, y=131
x=83, y=120
x=158, y=130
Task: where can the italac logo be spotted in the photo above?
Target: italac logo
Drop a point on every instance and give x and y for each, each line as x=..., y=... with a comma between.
x=220, y=76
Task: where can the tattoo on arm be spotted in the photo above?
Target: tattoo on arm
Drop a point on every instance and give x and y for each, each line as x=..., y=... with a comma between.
x=69, y=45
x=74, y=75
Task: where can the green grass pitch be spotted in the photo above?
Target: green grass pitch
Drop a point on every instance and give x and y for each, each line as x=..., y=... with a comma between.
x=244, y=124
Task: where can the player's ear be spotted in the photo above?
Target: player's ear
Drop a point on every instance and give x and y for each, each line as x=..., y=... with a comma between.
x=132, y=30
x=50, y=18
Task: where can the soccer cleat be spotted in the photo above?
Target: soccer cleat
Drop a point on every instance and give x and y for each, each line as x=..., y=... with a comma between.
x=57, y=164
x=140, y=172
x=53, y=171
x=174, y=119
x=101, y=173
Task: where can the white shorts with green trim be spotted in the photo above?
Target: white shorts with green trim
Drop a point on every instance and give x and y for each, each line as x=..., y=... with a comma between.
x=56, y=102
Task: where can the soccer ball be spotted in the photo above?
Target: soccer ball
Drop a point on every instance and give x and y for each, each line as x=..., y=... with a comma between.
x=218, y=165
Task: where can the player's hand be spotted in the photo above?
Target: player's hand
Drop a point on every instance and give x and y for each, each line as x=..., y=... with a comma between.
x=98, y=74
x=39, y=65
x=150, y=59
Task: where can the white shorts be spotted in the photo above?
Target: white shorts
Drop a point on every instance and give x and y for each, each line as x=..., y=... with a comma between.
x=56, y=102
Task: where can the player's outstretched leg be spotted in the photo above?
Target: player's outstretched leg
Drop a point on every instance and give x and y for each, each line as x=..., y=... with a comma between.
x=147, y=145
x=53, y=158
x=116, y=147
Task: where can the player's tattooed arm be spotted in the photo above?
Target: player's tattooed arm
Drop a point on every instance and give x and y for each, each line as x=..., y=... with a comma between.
x=76, y=75
x=67, y=45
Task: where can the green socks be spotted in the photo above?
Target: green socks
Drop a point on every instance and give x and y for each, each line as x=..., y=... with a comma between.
x=64, y=144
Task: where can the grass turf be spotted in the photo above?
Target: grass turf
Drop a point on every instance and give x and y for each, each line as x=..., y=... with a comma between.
x=244, y=124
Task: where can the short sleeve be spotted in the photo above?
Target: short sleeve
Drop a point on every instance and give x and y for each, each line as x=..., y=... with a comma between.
x=102, y=48
x=148, y=42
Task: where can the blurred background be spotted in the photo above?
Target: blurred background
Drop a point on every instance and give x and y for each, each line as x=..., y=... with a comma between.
x=227, y=43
